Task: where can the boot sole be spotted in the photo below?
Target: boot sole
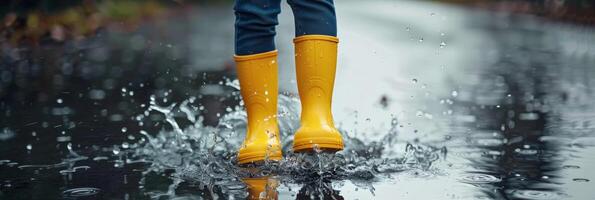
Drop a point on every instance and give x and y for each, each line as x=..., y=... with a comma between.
x=258, y=156
x=324, y=144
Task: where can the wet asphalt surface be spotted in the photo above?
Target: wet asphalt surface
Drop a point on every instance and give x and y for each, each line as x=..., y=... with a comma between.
x=509, y=96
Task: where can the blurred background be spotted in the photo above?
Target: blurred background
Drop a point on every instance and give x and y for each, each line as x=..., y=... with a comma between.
x=504, y=86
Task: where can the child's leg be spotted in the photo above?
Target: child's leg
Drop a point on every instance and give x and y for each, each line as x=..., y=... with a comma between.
x=316, y=60
x=255, y=25
x=256, y=61
x=314, y=17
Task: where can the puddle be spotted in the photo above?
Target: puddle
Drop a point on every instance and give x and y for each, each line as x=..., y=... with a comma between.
x=149, y=108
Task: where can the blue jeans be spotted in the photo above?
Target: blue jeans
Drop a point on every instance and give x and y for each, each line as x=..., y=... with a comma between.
x=256, y=21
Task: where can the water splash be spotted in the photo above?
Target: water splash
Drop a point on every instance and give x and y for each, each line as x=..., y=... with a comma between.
x=206, y=156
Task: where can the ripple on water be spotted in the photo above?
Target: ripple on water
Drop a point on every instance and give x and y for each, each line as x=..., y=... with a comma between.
x=537, y=194
x=571, y=167
x=81, y=192
x=580, y=180
x=477, y=178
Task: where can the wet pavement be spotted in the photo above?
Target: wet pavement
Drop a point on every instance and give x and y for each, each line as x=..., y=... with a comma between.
x=435, y=102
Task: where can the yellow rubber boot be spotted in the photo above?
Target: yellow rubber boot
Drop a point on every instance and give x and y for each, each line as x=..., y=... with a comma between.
x=259, y=88
x=261, y=188
x=316, y=62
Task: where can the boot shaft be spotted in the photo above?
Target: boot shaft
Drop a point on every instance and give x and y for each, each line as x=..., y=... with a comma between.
x=316, y=61
x=259, y=89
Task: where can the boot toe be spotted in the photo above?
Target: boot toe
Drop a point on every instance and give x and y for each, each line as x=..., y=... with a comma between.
x=323, y=138
x=256, y=152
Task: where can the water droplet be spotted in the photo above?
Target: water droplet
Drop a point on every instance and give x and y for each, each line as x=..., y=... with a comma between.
x=124, y=129
x=317, y=148
x=414, y=80
x=421, y=39
x=118, y=163
x=419, y=113
x=442, y=45
x=59, y=101
x=454, y=93
x=29, y=147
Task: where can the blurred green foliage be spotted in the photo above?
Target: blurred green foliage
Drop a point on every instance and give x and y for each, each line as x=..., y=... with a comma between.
x=28, y=21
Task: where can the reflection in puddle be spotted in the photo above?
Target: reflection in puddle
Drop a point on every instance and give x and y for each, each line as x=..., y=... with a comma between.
x=261, y=187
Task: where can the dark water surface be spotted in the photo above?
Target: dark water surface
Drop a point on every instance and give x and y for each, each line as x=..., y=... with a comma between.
x=434, y=101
